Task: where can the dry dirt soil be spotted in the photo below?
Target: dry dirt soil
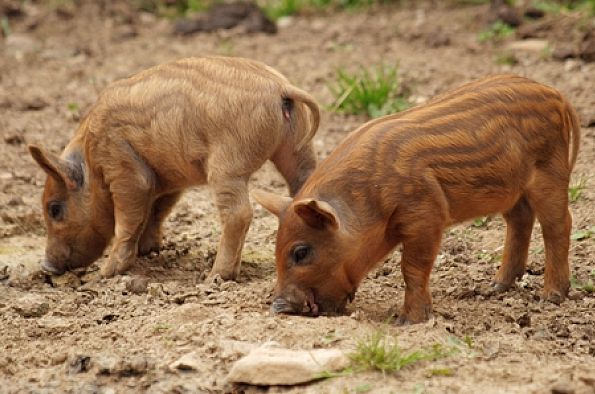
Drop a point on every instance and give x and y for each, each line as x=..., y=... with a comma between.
x=80, y=333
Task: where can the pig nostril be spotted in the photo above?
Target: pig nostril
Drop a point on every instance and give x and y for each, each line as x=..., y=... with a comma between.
x=281, y=305
x=49, y=268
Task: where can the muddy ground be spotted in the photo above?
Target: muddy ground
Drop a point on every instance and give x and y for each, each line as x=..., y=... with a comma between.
x=80, y=333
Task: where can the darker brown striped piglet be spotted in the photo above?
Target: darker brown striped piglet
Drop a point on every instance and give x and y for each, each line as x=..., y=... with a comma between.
x=149, y=137
x=503, y=144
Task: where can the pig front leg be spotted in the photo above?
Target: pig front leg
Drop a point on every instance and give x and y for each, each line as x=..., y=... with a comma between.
x=416, y=265
x=294, y=165
x=235, y=212
x=132, y=190
x=151, y=239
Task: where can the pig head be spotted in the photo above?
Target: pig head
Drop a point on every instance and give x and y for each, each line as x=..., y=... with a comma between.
x=320, y=257
x=77, y=234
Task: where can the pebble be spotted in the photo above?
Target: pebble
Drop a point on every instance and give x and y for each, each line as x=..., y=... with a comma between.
x=31, y=305
x=112, y=365
x=562, y=388
x=137, y=284
x=188, y=362
x=531, y=45
x=68, y=279
x=18, y=45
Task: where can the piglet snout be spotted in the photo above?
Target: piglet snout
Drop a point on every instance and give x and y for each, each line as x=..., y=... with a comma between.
x=281, y=305
x=49, y=268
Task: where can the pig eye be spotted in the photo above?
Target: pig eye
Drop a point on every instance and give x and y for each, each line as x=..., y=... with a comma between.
x=56, y=210
x=300, y=253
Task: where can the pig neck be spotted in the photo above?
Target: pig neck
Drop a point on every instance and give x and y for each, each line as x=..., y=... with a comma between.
x=99, y=205
x=365, y=238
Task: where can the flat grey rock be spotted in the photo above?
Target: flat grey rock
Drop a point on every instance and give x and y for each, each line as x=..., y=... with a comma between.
x=268, y=365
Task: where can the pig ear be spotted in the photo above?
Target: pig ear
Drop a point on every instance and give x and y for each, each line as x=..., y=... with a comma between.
x=273, y=203
x=318, y=214
x=59, y=169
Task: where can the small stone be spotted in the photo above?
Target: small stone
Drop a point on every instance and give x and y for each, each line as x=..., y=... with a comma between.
x=55, y=324
x=79, y=364
x=137, y=284
x=107, y=365
x=267, y=365
x=18, y=45
x=58, y=358
x=571, y=65
x=285, y=21
x=14, y=139
x=587, y=46
x=68, y=279
x=564, y=51
x=532, y=45
x=524, y=320
x=188, y=362
x=562, y=388
x=230, y=349
x=15, y=201
x=534, y=13
x=137, y=365
x=501, y=11
x=31, y=305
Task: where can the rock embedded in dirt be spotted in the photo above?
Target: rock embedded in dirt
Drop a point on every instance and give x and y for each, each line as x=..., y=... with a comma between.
x=563, y=387
x=587, y=46
x=31, y=305
x=533, y=13
x=68, y=279
x=268, y=365
x=79, y=364
x=227, y=16
x=32, y=102
x=501, y=11
x=112, y=365
x=188, y=362
x=137, y=284
x=564, y=51
x=532, y=45
x=19, y=45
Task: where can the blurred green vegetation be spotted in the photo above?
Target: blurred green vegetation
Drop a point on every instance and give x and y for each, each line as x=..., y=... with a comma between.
x=561, y=6
x=374, y=92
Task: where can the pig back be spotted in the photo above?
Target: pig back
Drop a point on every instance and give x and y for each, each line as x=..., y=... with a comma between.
x=480, y=142
x=186, y=111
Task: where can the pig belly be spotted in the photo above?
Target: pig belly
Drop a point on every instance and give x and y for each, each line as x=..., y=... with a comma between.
x=468, y=201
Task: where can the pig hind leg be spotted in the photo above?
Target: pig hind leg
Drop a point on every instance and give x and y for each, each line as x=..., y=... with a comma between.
x=417, y=260
x=151, y=239
x=519, y=225
x=548, y=196
x=235, y=212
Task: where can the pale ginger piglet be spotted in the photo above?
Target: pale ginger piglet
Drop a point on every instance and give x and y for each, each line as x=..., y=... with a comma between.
x=195, y=121
x=503, y=144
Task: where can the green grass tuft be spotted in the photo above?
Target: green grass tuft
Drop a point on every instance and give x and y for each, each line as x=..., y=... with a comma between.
x=379, y=352
x=497, y=32
x=575, y=191
x=481, y=221
x=580, y=235
x=276, y=9
x=507, y=58
x=587, y=286
x=375, y=93
x=173, y=8
x=565, y=6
